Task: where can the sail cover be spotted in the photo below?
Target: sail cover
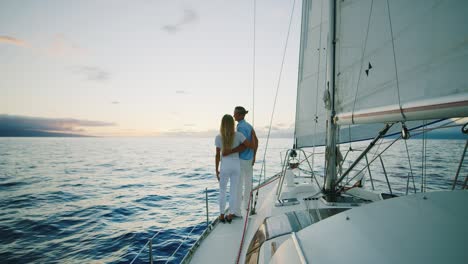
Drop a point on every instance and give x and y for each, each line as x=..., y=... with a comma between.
x=401, y=60
x=311, y=114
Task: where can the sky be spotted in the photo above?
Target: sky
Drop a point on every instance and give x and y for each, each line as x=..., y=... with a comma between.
x=146, y=67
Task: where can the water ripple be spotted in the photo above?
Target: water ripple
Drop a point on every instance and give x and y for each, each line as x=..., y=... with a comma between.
x=98, y=200
x=11, y=184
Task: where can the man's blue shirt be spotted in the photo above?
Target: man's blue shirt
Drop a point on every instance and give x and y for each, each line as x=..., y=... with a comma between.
x=246, y=129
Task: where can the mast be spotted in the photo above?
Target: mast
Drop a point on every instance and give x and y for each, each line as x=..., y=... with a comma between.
x=331, y=131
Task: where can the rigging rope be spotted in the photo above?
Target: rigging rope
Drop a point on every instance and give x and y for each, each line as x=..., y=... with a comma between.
x=248, y=213
x=342, y=187
x=253, y=76
x=274, y=104
x=377, y=154
x=395, y=62
x=253, y=67
x=362, y=61
x=378, y=144
x=317, y=87
x=411, y=168
x=423, y=158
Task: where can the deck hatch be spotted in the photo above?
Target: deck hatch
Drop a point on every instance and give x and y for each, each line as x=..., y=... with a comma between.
x=287, y=223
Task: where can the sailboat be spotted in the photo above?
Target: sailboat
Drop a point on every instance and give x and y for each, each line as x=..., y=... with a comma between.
x=375, y=70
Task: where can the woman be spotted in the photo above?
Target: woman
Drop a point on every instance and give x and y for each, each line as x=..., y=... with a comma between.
x=228, y=139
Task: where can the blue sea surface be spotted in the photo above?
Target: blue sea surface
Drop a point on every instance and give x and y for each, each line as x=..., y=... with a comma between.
x=99, y=200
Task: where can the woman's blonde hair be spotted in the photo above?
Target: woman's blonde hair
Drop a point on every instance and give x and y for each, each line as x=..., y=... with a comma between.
x=227, y=131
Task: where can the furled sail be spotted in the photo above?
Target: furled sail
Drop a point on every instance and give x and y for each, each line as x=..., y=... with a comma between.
x=401, y=60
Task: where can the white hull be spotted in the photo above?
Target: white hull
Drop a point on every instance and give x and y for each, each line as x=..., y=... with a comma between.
x=420, y=228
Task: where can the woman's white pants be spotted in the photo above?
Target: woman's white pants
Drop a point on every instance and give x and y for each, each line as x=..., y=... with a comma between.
x=230, y=171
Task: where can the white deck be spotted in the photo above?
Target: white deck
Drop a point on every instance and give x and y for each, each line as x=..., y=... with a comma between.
x=222, y=244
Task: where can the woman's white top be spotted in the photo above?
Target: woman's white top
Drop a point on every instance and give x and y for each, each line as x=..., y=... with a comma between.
x=238, y=139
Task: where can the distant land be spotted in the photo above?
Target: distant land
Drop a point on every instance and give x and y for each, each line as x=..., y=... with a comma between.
x=442, y=135
x=448, y=133
x=22, y=126
x=34, y=133
x=30, y=126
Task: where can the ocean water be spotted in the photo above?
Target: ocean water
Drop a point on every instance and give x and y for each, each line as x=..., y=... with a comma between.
x=98, y=200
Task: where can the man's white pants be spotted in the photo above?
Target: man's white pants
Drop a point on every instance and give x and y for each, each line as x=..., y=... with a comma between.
x=245, y=185
x=230, y=171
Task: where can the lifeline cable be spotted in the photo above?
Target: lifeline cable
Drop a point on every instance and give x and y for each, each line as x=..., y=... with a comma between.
x=276, y=97
x=248, y=212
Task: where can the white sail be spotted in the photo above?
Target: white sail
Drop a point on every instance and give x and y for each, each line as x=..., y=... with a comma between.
x=310, y=108
x=401, y=60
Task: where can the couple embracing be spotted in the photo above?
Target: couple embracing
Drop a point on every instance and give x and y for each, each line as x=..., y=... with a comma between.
x=236, y=152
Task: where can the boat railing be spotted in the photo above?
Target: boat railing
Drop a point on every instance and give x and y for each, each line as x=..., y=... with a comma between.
x=352, y=173
x=411, y=174
x=460, y=164
x=291, y=161
x=210, y=225
x=149, y=244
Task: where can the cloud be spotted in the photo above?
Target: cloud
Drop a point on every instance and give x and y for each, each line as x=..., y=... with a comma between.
x=280, y=130
x=170, y=28
x=286, y=132
x=185, y=133
x=58, y=46
x=190, y=16
x=181, y=92
x=62, y=46
x=20, y=124
x=13, y=41
x=115, y=102
x=91, y=73
x=283, y=125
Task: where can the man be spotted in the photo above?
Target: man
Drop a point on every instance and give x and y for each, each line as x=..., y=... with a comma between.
x=247, y=157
